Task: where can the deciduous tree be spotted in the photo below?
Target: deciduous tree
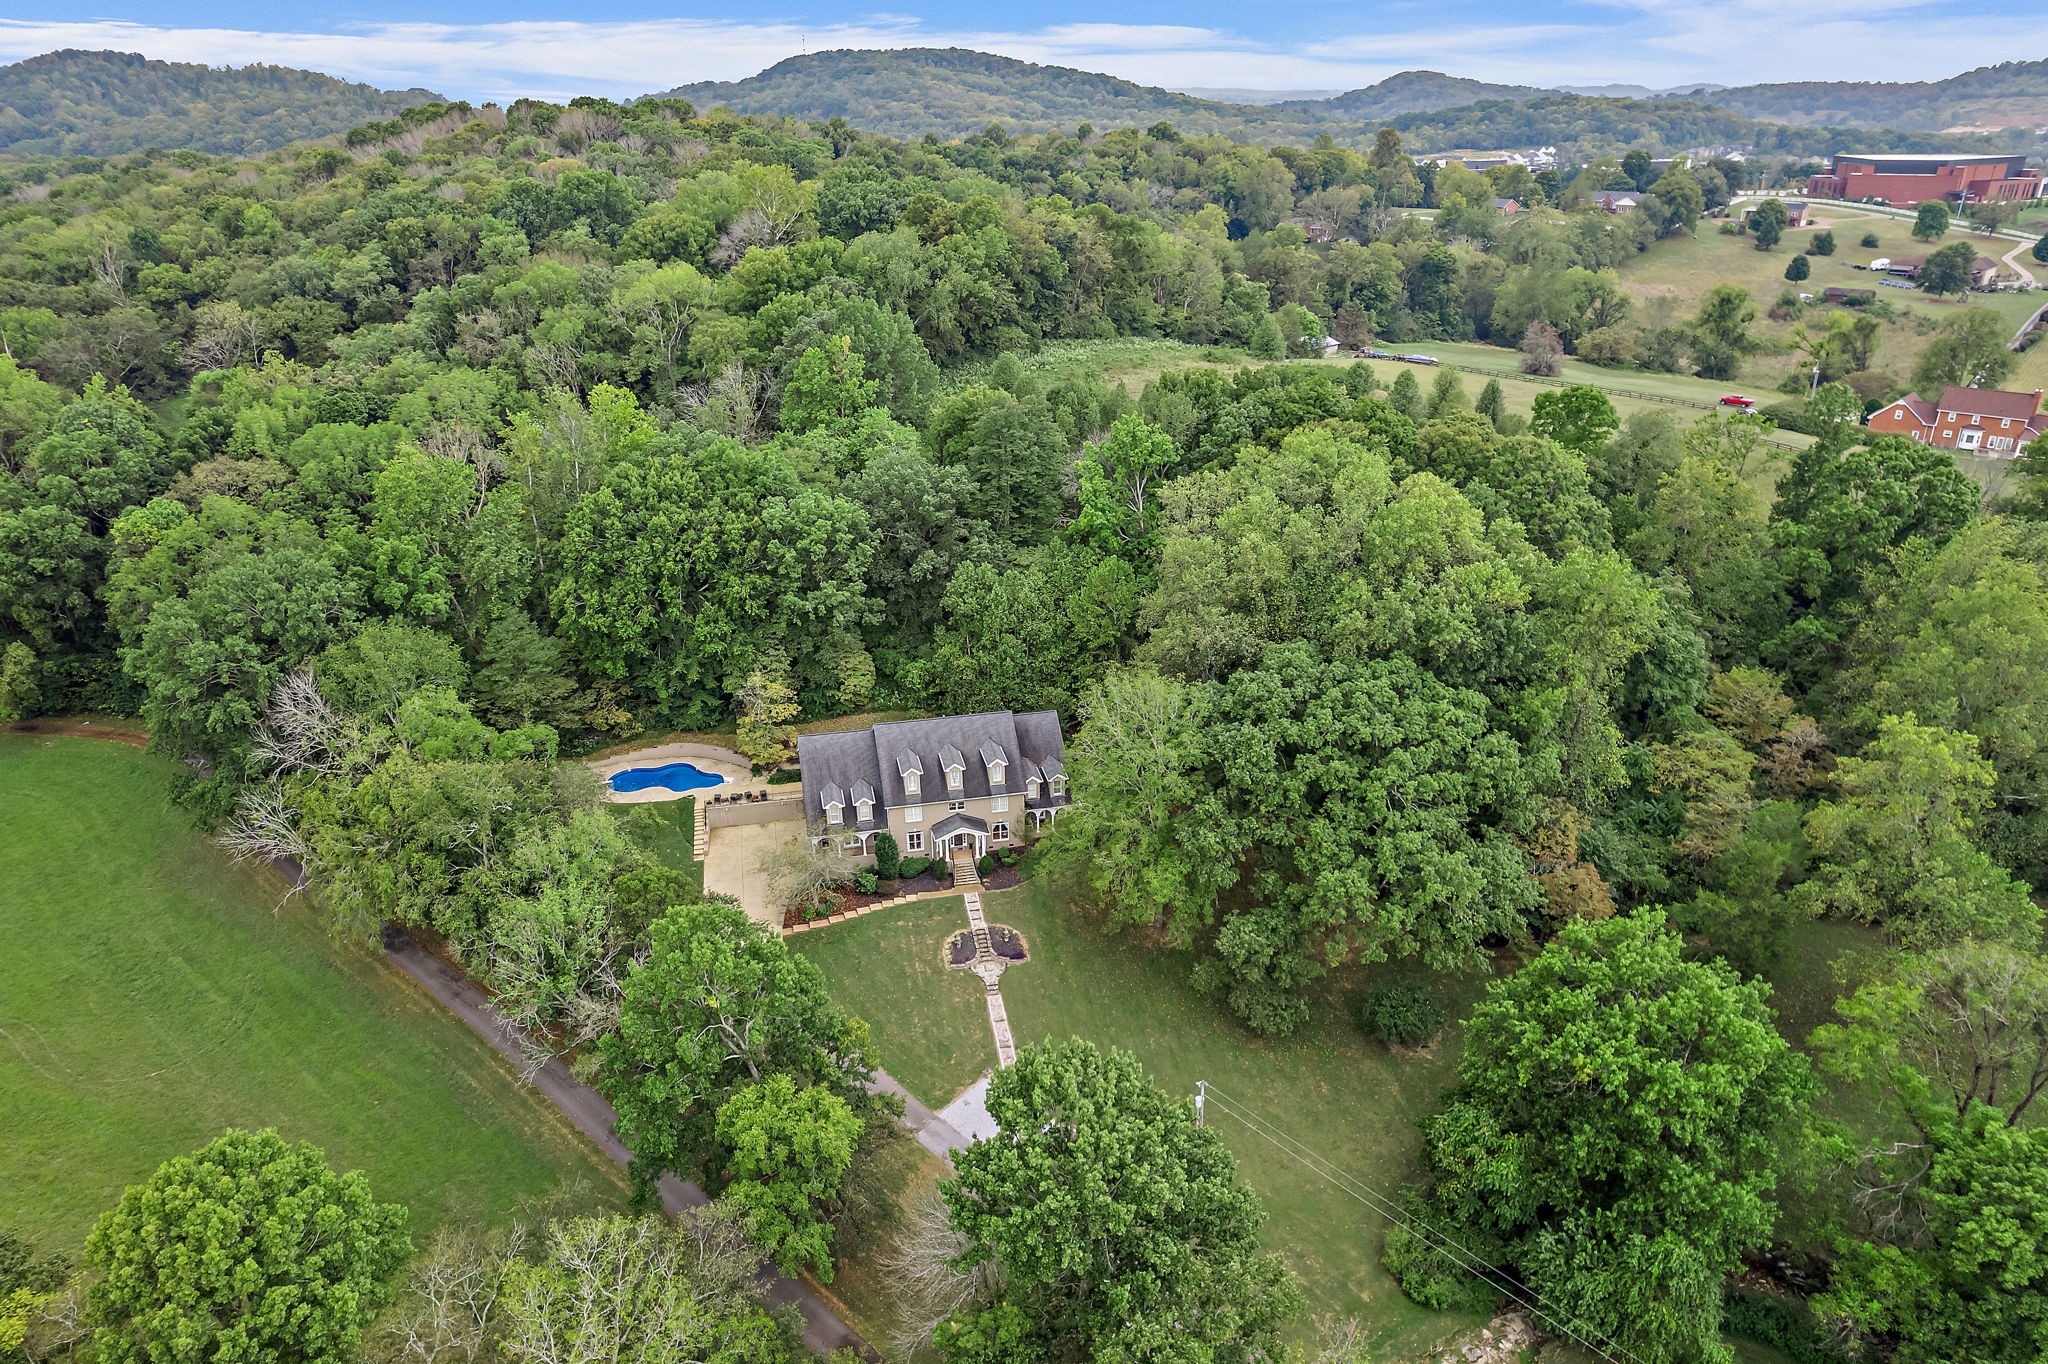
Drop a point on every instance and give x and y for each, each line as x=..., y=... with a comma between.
x=249, y=1250
x=1605, y=1088
x=1119, y=1227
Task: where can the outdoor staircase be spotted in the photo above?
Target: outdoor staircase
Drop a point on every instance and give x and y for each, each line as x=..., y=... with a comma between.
x=964, y=873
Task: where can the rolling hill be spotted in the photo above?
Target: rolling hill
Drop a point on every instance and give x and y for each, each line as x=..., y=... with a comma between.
x=2009, y=95
x=105, y=103
x=1411, y=92
x=954, y=92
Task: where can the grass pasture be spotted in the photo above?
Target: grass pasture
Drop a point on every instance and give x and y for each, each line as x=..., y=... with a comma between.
x=1669, y=279
x=153, y=993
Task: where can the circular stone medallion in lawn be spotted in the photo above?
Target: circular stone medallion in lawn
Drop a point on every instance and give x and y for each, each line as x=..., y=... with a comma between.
x=1005, y=942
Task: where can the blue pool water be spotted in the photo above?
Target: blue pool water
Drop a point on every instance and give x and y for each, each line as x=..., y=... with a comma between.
x=673, y=776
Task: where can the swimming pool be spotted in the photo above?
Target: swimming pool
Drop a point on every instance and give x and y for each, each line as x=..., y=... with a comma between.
x=672, y=776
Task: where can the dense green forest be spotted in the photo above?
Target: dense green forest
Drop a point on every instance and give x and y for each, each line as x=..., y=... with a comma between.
x=375, y=477
x=105, y=103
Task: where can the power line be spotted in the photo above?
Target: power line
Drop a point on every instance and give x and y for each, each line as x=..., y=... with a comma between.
x=1436, y=1240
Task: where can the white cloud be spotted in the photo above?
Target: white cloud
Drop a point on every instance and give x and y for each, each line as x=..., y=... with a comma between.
x=1657, y=42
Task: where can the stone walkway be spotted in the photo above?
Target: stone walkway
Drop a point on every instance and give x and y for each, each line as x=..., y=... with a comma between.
x=986, y=963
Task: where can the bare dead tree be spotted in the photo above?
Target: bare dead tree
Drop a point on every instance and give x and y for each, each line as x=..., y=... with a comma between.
x=264, y=828
x=60, y=1332
x=450, y=1308
x=922, y=1267
x=111, y=269
x=733, y=404
x=753, y=227
x=301, y=731
x=541, y=1012
x=224, y=334
x=616, y=1288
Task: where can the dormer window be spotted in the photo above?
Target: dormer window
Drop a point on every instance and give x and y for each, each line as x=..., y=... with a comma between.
x=1031, y=789
x=835, y=813
x=910, y=769
x=995, y=773
x=1059, y=786
x=867, y=810
x=953, y=775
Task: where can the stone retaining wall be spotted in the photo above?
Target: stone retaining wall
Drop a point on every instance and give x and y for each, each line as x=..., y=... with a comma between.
x=869, y=909
x=723, y=815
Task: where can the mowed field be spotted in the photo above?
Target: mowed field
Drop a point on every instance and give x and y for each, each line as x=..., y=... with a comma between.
x=152, y=994
x=1670, y=278
x=1354, y=1101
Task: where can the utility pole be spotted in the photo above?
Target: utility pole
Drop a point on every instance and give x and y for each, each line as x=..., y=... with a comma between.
x=1201, y=1099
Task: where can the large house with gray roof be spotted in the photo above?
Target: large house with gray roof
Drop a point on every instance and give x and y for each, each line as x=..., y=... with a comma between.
x=958, y=783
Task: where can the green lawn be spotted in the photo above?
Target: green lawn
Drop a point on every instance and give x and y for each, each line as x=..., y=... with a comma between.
x=930, y=1023
x=152, y=994
x=1350, y=1099
x=667, y=831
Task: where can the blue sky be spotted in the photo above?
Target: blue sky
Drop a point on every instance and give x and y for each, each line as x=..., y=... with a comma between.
x=508, y=48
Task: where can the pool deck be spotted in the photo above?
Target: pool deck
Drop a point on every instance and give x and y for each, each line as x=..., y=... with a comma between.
x=722, y=762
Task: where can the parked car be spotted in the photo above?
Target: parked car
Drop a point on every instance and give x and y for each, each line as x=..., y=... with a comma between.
x=1737, y=400
x=1418, y=359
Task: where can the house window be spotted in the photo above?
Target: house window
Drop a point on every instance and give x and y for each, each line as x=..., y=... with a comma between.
x=913, y=842
x=956, y=807
x=910, y=783
x=913, y=814
x=952, y=779
x=834, y=813
x=995, y=774
x=1031, y=789
x=1059, y=785
x=1976, y=420
x=1970, y=440
x=1000, y=832
x=867, y=810
x=999, y=805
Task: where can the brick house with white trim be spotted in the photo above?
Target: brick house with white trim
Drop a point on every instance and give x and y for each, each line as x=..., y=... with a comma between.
x=1986, y=421
x=956, y=783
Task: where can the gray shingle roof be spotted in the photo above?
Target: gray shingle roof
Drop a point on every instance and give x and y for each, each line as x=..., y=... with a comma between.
x=854, y=761
x=956, y=824
x=836, y=761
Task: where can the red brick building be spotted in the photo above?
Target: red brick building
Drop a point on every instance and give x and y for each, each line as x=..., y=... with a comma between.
x=1904, y=181
x=1987, y=420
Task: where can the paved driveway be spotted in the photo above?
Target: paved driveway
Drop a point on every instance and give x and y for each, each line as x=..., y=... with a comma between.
x=732, y=864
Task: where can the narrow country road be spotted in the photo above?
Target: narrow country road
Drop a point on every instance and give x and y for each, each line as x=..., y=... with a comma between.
x=824, y=1332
